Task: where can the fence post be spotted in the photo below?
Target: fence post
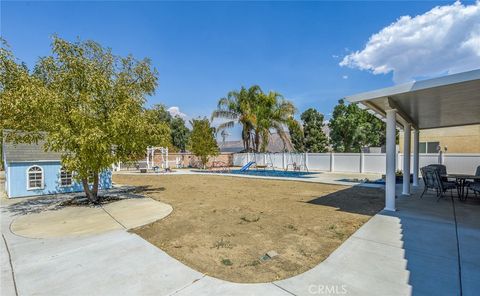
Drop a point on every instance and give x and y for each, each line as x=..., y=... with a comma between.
x=332, y=161
x=283, y=160
x=440, y=157
x=306, y=161
x=362, y=162
x=166, y=156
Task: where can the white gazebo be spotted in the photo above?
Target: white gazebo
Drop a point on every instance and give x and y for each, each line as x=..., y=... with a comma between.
x=452, y=100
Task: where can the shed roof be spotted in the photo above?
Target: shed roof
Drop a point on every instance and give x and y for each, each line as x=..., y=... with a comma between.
x=28, y=152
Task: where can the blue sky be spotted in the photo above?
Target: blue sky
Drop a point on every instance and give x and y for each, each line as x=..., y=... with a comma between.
x=202, y=50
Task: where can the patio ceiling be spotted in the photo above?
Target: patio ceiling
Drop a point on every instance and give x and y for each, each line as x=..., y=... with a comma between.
x=452, y=100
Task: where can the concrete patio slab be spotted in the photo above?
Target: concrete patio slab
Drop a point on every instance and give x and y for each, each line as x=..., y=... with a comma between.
x=71, y=221
x=85, y=220
x=7, y=286
x=132, y=213
x=209, y=286
x=357, y=267
x=114, y=263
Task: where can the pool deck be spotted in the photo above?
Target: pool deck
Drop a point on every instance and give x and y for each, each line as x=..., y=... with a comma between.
x=338, y=178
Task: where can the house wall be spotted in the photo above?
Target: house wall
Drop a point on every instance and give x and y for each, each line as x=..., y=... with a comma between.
x=16, y=176
x=459, y=139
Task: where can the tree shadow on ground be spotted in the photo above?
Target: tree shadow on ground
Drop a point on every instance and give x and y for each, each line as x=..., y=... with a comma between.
x=58, y=201
x=356, y=199
x=148, y=189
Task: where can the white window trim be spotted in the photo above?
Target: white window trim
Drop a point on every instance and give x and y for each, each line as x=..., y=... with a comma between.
x=28, y=178
x=60, y=179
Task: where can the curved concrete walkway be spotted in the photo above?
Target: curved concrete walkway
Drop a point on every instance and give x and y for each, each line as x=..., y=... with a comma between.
x=76, y=220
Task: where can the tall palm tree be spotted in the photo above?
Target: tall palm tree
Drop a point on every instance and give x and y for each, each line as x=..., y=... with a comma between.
x=237, y=108
x=272, y=113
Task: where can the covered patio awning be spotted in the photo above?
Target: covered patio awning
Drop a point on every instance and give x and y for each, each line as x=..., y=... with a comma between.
x=452, y=100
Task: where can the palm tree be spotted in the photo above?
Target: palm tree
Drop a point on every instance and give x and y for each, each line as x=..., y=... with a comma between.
x=272, y=113
x=237, y=108
x=258, y=113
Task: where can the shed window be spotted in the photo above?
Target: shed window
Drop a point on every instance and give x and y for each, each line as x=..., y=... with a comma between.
x=35, y=178
x=65, y=177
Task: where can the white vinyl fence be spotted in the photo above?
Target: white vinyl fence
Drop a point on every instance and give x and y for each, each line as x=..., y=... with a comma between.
x=356, y=162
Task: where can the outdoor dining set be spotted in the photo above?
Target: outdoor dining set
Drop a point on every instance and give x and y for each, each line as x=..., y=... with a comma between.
x=435, y=177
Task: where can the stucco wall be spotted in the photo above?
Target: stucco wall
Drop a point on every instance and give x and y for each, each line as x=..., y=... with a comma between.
x=460, y=139
x=17, y=180
x=190, y=160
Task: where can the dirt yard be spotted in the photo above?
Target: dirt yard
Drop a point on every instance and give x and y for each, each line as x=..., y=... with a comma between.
x=223, y=226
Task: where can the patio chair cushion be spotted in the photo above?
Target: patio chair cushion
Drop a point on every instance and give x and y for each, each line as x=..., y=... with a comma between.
x=442, y=169
x=449, y=185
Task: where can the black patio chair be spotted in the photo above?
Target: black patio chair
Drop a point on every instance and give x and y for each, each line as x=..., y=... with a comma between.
x=432, y=180
x=475, y=185
x=442, y=169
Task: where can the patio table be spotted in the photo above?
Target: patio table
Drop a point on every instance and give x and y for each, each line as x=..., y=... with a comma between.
x=461, y=180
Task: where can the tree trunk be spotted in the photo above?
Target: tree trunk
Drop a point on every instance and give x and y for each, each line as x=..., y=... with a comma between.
x=257, y=141
x=92, y=195
x=95, y=186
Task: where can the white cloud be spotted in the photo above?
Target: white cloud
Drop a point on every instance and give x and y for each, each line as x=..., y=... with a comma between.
x=443, y=40
x=175, y=111
x=345, y=76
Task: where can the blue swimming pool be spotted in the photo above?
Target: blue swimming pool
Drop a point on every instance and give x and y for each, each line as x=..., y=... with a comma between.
x=274, y=173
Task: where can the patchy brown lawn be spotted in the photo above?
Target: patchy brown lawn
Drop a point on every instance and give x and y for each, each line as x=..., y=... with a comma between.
x=222, y=226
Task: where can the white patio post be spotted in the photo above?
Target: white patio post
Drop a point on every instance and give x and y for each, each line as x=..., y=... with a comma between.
x=416, y=154
x=406, y=159
x=390, y=161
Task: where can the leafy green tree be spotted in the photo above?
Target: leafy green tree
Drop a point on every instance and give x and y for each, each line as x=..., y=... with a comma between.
x=180, y=133
x=352, y=128
x=159, y=113
x=202, y=140
x=315, y=140
x=83, y=101
x=296, y=135
x=160, y=132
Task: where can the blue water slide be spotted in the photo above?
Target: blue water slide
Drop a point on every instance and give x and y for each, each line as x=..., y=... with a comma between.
x=247, y=166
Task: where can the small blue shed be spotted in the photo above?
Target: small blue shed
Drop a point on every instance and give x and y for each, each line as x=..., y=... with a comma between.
x=29, y=171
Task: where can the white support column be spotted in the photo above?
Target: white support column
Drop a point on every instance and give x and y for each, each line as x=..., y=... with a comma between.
x=416, y=154
x=406, y=159
x=390, y=161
